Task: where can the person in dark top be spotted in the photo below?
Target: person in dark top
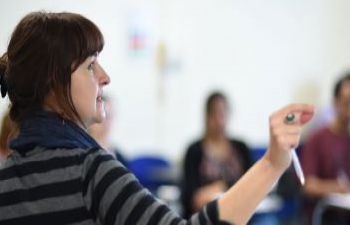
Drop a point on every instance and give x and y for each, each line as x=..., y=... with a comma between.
x=58, y=174
x=215, y=162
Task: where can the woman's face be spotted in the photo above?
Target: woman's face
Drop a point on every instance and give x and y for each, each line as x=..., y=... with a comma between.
x=218, y=116
x=101, y=131
x=87, y=82
x=342, y=103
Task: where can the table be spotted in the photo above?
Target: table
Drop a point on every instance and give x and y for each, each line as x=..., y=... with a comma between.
x=341, y=201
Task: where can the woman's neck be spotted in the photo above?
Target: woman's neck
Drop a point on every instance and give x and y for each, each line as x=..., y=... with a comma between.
x=215, y=137
x=217, y=146
x=103, y=141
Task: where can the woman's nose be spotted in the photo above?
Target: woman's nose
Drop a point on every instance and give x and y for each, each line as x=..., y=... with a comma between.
x=104, y=79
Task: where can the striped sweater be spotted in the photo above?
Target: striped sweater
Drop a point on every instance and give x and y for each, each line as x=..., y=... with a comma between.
x=81, y=187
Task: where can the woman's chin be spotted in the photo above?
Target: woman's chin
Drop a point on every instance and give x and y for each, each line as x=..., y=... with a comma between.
x=100, y=112
x=95, y=120
x=101, y=116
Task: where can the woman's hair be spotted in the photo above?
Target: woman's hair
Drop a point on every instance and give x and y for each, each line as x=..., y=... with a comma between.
x=339, y=84
x=44, y=50
x=212, y=98
x=7, y=129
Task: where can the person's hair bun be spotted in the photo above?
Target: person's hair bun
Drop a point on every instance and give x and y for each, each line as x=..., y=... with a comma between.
x=3, y=67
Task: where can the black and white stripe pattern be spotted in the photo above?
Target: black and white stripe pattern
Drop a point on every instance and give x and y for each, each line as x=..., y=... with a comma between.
x=81, y=187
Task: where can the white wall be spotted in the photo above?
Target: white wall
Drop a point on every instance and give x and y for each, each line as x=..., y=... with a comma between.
x=263, y=54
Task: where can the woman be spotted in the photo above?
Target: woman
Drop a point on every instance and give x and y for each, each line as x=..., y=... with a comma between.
x=57, y=174
x=215, y=162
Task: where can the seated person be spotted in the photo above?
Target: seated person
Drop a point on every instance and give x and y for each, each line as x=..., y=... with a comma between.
x=326, y=154
x=215, y=162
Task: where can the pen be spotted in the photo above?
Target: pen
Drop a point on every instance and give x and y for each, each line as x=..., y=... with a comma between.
x=297, y=167
x=296, y=163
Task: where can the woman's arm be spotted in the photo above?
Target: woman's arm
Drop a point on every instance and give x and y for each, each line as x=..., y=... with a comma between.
x=239, y=203
x=114, y=196
x=207, y=193
x=317, y=187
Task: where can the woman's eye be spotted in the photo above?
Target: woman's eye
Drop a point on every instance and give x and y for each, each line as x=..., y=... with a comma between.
x=91, y=66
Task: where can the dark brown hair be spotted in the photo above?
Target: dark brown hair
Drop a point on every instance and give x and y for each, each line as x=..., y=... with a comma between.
x=338, y=85
x=212, y=98
x=6, y=131
x=44, y=50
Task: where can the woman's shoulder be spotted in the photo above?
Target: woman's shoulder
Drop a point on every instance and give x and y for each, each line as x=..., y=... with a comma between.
x=194, y=150
x=195, y=146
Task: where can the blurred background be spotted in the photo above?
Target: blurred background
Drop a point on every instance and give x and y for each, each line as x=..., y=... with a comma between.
x=165, y=56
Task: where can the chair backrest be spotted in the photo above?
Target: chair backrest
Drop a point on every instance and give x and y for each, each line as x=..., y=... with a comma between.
x=257, y=152
x=152, y=171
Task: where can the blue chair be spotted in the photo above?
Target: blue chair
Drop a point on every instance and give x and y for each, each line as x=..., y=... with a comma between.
x=257, y=153
x=290, y=209
x=152, y=171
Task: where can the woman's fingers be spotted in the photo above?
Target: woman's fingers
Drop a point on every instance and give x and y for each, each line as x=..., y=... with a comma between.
x=306, y=117
x=285, y=130
x=291, y=141
x=290, y=129
x=302, y=113
x=287, y=139
x=298, y=107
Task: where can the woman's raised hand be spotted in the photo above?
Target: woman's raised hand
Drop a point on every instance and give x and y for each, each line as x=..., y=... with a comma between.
x=286, y=135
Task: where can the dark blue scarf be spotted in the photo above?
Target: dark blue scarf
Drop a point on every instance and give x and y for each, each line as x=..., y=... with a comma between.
x=50, y=131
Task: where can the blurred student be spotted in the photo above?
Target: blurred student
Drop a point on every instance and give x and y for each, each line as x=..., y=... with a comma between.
x=326, y=154
x=101, y=132
x=214, y=162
